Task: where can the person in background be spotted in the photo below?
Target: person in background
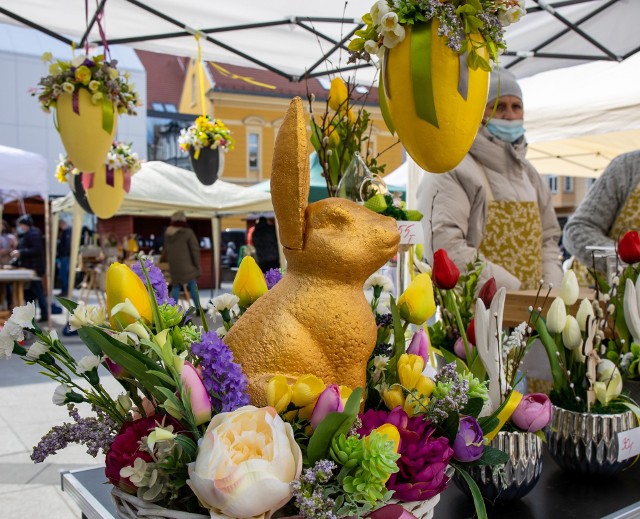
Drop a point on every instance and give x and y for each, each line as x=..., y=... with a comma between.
x=63, y=253
x=30, y=252
x=494, y=204
x=232, y=255
x=8, y=243
x=182, y=252
x=610, y=208
x=265, y=242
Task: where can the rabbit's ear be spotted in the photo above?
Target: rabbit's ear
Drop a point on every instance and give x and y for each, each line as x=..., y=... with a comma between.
x=290, y=176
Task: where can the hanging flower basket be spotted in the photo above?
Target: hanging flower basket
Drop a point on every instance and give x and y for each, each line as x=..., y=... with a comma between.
x=208, y=166
x=87, y=93
x=436, y=58
x=86, y=129
x=204, y=140
x=433, y=100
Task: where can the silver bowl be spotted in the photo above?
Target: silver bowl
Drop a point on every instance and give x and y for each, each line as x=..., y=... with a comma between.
x=587, y=442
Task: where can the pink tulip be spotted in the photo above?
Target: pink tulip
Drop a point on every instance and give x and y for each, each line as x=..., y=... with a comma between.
x=533, y=412
x=198, y=394
x=391, y=511
x=458, y=348
x=116, y=369
x=329, y=401
x=419, y=345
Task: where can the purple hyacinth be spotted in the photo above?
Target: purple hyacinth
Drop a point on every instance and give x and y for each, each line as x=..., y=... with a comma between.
x=158, y=283
x=272, y=276
x=222, y=377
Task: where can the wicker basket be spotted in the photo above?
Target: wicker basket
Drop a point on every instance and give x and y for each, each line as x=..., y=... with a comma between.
x=131, y=507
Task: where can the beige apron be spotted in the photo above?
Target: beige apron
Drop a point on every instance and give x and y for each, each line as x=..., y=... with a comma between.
x=513, y=237
x=628, y=218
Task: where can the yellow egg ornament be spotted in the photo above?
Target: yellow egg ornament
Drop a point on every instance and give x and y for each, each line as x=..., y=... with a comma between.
x=106, y=189
x=431, y=98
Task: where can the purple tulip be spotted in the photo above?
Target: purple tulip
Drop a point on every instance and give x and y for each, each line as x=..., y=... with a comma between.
x=391, y=511
x=116, y=369
x=329, y=401
x=533, y=412
x=198, y=394
x=468, y=445
x=419, y=345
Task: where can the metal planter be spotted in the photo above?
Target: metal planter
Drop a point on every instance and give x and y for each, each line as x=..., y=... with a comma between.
x=518, y=476
x=587, y=442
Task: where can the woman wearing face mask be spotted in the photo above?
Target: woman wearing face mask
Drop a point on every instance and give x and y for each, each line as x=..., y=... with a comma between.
x=494, y=204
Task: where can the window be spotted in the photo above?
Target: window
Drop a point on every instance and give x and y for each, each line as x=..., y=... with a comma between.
x=568, y=184
x=254, y=151
x=553, y=183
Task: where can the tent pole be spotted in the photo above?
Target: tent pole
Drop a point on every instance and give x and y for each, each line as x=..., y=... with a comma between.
x=49, y=266
x=55, y=217
x=76, y=232
x=215, y=240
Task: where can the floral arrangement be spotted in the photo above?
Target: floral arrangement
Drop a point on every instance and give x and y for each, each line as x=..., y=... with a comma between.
x=206, y=133
x=120, y=156
x=183, y=435
x=339, y=133
x=459, y=22
x=99, y=77
x=584, y=378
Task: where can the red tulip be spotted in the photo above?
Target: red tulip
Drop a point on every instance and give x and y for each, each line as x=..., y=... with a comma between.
x=445, y=273
x=487, y=291
x=629, y=248
x=471, y=331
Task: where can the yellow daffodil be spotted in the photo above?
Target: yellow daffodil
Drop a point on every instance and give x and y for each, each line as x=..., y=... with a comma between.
x=83, y=75
x=249, y=283
x=338, y=94
x=278, y=393
x=416, y=303
x=122, y=284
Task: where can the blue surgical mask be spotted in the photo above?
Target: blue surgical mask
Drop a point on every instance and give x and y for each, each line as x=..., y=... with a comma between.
x=20, y=230
x=507, y=131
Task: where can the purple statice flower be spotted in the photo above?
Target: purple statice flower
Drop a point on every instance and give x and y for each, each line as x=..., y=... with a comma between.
x=450, y=394
x=158, y=283
x=96, y=433
x=272, y=276
x=222, y=377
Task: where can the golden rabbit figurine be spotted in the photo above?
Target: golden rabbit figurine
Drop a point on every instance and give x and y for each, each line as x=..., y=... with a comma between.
x=315, y=320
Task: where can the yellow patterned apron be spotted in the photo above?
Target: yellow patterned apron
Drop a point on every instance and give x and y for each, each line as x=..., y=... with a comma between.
x=513, y=237
x=628, y=218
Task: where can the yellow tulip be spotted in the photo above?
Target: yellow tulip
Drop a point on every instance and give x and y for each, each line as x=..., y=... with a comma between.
x=122, y=284
x=351, y=117
x=410, y=369
x=332, y=134
x=306, y=391
x=393, y=397
x=425, y=386
x=414, y=405
x=338, y=94
x=416, y=304
x=249, y=283
x=278, y=393
x=345, y=393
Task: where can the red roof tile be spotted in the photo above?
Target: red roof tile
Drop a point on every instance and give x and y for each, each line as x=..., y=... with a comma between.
x=165, y=77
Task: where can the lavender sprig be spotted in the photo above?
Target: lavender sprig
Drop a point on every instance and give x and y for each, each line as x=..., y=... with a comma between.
x=96, y=433
x=158, y=282
x=310, y=499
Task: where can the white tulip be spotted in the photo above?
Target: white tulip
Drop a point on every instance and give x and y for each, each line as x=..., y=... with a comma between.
x=569, y=288
x=609, y=381
x=585, y=310
x=571, y=335
x=556, y=316
x=631, y=307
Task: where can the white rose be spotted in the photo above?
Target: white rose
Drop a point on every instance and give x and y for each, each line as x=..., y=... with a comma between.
x=245, y=464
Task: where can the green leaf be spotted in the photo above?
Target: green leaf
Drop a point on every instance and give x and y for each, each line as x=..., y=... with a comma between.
x=398, y=343
x=333, y=425
x=189, y=447
x=490, y=456
x=467, y=9
x=488, y=424
x=164, y=377
x=451, y=425
x=357, y=43
x=67, y=303
x=130, y=359
x=474, y=407
x=478, y=501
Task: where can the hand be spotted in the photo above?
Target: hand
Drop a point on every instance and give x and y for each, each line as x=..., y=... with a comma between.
x=15, y=254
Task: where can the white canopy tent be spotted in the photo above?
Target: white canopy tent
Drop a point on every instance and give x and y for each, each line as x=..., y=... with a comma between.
x=160, y=189
x=295, y=38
